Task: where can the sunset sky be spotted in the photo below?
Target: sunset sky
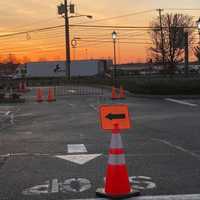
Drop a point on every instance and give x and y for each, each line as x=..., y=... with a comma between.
x=24, y=15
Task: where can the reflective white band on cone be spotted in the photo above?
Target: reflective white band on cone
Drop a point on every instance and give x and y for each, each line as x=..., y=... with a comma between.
x=116, y=159
x=116, y=141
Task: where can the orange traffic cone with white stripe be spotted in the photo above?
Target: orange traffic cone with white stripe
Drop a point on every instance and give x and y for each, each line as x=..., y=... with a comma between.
x=51, y=96
x=114, y=94
x=122, y=93
x=39, y=95
x=117, y=183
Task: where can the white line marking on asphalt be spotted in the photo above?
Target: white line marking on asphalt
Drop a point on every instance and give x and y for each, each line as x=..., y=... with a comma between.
x=161, y=197
x=25, y=115
x=181, y=102
x=55, y=186
x=142, y=183
x=178, y=148
x=24, y=154
x=76, y=148
x=68, y=185
x=79, y=159
x=25, y=133
x=93, y=107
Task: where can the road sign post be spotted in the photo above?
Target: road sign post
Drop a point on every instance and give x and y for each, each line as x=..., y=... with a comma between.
x=114, y=114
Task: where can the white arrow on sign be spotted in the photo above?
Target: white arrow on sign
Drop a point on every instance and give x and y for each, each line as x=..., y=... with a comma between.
x=79, y=159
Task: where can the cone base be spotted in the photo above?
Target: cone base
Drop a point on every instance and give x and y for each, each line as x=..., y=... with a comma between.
x=39, y=101
x=23, y=91
x=101, y=193
x=51, y=100
x=115, y=98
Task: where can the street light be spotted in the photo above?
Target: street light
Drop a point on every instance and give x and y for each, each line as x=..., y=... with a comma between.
x=63, y=10
x=114, y=37
x=198, y=26
x=74, y=45
x=75, y=16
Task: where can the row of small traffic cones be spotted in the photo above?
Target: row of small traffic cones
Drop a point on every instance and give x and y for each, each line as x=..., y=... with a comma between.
x=40, y=95
x=117, y=184
x=121, y=93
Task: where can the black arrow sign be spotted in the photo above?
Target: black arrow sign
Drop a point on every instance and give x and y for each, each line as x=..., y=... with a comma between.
x=111, y=116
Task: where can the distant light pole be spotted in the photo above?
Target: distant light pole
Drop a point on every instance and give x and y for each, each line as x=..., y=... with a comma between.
x=74, y=45
x=198, y=26
x=114, y=37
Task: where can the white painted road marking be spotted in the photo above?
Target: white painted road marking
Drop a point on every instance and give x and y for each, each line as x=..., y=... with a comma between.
x=142, y=183
x=76, y=148
x=55, y=186
x=161, y=197
x=93, y=107
x=25, y=115
x=37, y=190
x=181, y=102
x=78, y=185
x=75, y=185
x=79, y=159
x=179, y=148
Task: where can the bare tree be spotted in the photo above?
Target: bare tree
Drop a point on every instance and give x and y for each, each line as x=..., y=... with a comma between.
x=11, y=58
x=25, y=59
x=173, y=28
x=197, y=53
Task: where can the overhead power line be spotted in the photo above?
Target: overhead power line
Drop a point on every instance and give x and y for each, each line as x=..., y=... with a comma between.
x=186, y=9
x=18, y=28
x=120, y=16
x=85, y=26
x=32, y=31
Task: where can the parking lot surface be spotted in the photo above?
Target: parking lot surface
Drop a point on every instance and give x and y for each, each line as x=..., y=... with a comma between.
x=58, y=150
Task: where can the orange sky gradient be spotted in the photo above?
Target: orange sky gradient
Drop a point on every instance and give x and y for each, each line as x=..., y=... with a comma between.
x=132, y=45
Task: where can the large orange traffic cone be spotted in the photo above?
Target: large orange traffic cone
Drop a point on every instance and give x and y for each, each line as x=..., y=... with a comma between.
x=51, y=96
x=39, y=95
x=122, y=93
x=117, y=183
x=114, y=94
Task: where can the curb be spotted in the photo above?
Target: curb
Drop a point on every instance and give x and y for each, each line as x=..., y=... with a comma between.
x=165, y=96
x=130, y=94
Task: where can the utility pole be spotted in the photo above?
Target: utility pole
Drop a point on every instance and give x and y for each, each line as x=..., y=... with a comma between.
x=186, y=53
x=63, y=11
x=67, y=41
x=162, y=36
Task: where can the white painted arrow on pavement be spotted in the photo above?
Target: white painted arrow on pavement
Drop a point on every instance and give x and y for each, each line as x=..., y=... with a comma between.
x=79, y=159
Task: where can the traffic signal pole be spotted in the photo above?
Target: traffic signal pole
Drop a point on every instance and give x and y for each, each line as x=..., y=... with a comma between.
x=67, y=42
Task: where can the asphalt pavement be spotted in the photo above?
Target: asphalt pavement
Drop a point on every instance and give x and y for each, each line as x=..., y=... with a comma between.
x=58, y=151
